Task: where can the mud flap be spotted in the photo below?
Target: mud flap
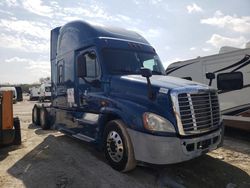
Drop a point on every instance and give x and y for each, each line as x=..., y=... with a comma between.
x=17, y=138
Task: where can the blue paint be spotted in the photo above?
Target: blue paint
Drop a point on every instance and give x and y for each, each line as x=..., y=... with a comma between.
x=119, y=96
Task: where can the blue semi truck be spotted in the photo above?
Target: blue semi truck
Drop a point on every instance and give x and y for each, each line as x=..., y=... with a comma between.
x=109, y=88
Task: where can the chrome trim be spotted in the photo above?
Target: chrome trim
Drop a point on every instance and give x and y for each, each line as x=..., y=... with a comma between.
x=191, y=110
x=215, y=115
x=174, y=97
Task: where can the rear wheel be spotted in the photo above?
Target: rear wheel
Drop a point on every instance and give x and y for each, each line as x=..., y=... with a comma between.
x=44, y=118
x=36, y=115
x=118, y=148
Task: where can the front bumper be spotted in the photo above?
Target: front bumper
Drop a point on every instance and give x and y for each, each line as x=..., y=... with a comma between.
x=169, y=150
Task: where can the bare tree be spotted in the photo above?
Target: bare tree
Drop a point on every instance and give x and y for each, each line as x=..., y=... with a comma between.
x=43, y=80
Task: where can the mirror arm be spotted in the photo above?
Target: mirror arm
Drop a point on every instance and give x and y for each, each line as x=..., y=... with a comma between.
x=150, y=91
x=210, y=82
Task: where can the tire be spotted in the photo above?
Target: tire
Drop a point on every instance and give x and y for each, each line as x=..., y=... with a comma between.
x=18, y=138
x=118, y=148
x=44, y=119
x=36, y=115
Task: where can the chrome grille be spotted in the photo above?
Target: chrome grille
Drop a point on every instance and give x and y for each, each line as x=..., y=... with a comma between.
x=199, y=111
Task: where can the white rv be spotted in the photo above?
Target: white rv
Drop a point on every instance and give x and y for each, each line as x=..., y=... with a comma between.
x=229, y=69
x=45, y=92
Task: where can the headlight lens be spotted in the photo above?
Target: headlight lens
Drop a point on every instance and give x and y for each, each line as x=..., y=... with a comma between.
x=154, y=122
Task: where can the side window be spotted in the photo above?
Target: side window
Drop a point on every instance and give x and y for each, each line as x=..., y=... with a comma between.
x=60, y=72
x=91, y=66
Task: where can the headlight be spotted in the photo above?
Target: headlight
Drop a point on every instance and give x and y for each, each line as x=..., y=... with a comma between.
x=154, y=122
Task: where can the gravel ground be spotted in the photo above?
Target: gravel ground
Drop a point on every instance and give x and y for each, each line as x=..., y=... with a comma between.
x=51, y=159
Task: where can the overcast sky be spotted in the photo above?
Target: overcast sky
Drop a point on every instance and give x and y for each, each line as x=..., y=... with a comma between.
x=178, y=30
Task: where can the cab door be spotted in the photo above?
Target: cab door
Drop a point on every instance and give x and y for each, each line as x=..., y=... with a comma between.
x=89, y=91
x=89, y=86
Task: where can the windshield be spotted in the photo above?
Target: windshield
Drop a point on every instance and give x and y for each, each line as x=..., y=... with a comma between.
x=120, y=62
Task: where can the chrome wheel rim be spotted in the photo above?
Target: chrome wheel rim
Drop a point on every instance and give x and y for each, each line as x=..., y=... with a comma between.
x=115, y=146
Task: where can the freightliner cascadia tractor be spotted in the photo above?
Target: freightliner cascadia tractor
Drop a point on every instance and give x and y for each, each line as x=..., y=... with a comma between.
x=109, y=88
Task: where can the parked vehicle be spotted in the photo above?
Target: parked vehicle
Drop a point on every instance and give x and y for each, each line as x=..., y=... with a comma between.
x=45, y=92
x=19, y=92
x=10, y=132
x=34, y=93
x=13, y=90
x=222, y=71
x=109, y=88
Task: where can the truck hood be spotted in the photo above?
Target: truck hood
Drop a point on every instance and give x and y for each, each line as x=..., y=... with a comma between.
x=132, y=93
x=168, y=82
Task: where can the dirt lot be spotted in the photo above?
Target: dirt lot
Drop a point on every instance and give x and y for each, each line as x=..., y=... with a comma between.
x=51, y=159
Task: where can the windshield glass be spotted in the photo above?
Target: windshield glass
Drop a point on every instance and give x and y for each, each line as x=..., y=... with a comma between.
x=120, y=62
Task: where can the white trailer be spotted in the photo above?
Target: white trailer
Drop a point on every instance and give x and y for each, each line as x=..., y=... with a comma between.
x=233, y=66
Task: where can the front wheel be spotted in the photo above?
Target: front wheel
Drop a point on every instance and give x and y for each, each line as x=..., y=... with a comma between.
x=118, y=148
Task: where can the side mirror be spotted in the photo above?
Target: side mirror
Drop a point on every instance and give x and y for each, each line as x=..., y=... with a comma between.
x=230, y=81
x=146, y=72
x=92, y=55
x=81, y=66
x=210, y=75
